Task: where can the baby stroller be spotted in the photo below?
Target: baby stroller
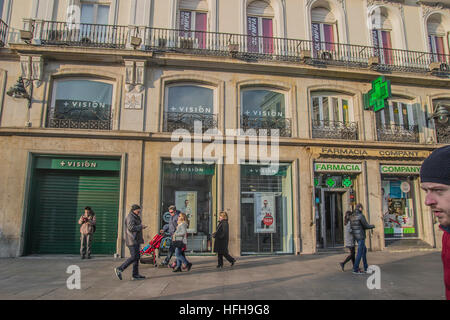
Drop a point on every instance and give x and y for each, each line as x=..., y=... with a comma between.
x=150, y=250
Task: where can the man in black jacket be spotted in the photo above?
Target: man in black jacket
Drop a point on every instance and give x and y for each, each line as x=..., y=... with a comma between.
x=359, y=226
x=133, y=239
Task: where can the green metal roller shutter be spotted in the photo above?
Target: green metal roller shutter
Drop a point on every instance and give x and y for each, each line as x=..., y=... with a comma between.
x=59, y=201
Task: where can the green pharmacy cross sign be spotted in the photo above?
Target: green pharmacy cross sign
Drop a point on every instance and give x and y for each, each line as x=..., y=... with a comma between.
x=377, y=96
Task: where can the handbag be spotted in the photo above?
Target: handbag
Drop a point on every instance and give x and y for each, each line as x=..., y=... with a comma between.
x=178, y=244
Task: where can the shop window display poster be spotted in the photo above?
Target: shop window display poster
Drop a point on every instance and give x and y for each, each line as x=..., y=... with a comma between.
x=265, y=215
x=186, y=202
x=397, y=210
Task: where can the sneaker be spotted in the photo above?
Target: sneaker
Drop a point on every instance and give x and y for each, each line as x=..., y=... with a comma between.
x=138, y=277
x=342, y=266
x=118, y=273
x=189, y=266
x=358, y=272
x=232, y=263
x=177, y=270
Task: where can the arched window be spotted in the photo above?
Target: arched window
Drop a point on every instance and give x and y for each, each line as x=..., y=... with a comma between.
x=398, y=121
x=264, y=108
x=187, y=103
x=332, y=116
x=81, y=104
x=324, y=29
x=381, y=35
x=193, y=16
x=260, y=27
x=436, y=37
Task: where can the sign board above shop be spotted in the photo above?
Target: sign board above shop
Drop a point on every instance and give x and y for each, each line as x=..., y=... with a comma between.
x=77, y=164
x=337, y=167
x=197, y=169
x=399, y=169
x=369, y=153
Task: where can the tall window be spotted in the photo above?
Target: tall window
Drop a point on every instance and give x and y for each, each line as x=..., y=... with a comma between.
x=324, y=33
x=260, y=27
x=94, y=27
x=332, y=116
x=81, y=104
x=188, y=103
x=398, y=121
x=193, y=16
x=263, y=108
x=436, y=37
x=381, y=36
x=93, y=13
x=1, y=9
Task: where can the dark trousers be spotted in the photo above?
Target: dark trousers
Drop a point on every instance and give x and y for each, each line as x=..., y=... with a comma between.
x=133, y=259
x=351, y=256
x=361, y=254
x=169, y=254
x=86, y=244
x=226, y=255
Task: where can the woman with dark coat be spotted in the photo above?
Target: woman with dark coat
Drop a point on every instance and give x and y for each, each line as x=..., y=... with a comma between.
x=221, y=243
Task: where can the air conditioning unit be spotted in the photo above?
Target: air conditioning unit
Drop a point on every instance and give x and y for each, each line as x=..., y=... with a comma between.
x=26, y=35
x=374, y=61
x=187, y=43
x=439, y=66
x=326, y=55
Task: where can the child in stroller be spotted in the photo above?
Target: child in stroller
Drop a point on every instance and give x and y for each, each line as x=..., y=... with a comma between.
x=150, y=249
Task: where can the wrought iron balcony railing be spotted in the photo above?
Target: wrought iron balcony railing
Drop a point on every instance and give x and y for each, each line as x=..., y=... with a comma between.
x=189, y=121
x=443, y=133
x=398, y=133
x=79, y=124
x=3, y=32
x=335, y=130
x=282, y=125
x=240, y=46
x=79, y=34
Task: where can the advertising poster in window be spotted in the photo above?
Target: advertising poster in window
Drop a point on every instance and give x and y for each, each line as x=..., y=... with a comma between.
x=265, y=215
x=186, y=202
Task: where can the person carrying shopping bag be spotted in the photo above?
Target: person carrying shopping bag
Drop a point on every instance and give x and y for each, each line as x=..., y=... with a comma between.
x=179, y=239
x=221, y=244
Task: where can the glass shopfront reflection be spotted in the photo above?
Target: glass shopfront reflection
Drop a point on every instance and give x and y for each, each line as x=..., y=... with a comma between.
x=266, y=210
x=191, y=188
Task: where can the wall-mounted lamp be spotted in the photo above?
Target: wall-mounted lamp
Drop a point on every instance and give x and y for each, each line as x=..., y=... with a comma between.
x=440, y=114
x=19, y=91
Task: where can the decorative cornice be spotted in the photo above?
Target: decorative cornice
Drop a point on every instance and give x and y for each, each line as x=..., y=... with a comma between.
x=428, y=7
x=398, y=3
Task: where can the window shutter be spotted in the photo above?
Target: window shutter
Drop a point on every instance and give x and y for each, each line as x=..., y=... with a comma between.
x=199, y=5
x=322, y=15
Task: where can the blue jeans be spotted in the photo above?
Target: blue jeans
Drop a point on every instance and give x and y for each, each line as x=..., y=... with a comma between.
x=362, y=253
x=180, y=257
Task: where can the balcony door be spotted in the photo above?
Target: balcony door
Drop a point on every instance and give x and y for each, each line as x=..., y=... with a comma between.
x=383, y=46
x=95, y=20
x=323, y=30
x=260, y=28
x=193, y=27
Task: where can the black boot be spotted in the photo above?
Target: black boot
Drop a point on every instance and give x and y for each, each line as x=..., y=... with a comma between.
x=177, y=269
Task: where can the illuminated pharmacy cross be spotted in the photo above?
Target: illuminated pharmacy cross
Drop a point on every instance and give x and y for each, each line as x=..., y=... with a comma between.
x=347, y=182
x=330, y=182
x=379, y=93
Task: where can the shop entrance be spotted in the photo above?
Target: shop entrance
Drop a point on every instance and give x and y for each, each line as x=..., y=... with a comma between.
x=330, y=224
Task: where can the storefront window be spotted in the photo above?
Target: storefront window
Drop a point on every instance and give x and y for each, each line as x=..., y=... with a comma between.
x=191, y=188
x=266, y=210
x=81, y=104
x=398, y=207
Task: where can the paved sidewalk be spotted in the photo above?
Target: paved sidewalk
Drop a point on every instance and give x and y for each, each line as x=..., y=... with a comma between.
x=404, y=275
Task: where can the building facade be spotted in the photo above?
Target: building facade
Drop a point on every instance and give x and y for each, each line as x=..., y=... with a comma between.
x=161, y=102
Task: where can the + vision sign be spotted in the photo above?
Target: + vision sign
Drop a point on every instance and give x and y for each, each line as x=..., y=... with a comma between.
x=377, y=96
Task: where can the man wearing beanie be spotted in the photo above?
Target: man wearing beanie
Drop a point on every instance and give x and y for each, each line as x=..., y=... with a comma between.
x=435, y=181
x=134, y=239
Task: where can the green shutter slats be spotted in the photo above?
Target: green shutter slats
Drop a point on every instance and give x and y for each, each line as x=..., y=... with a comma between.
x=60, y=198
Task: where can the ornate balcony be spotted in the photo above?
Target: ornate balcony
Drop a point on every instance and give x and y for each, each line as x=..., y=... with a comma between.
x=443, y=133
x=266, y=123
x=398, y=133
x=79, y=124
x=189, y=121
x=240, y=46
x=335, y=130
x=3, y=33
